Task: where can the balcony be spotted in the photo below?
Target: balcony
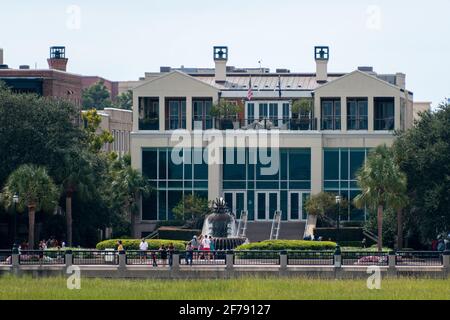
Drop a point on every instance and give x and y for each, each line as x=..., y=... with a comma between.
x=236, y=123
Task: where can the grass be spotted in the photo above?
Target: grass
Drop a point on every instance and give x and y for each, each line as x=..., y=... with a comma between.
x=27, y=288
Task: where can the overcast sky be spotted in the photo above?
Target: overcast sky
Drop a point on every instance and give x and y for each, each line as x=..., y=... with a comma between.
x=120, y=40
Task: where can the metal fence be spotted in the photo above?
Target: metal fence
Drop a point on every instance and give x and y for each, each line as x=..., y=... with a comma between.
x=253, y=257
x=41, y=257
x=418, y=258
x=95, y=257
x=197, y=258
x=155, y=258
x=365, y=258
x=306, y=258
x=5, y=257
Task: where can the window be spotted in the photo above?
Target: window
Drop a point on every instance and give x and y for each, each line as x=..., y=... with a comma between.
x=331, y=114
x=250, y=112
x=384, y=114
x=148, y=113
x=340, y=168
x=202, y=113
x=357, y=114
x=176, y=113
x=171, y=181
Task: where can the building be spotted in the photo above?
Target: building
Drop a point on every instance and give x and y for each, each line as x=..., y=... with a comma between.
x=119, y=123
x=320, y=150
x=52, y=82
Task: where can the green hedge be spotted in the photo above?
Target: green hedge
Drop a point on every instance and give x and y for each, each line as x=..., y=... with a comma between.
x=288, y=245
x=134, y=244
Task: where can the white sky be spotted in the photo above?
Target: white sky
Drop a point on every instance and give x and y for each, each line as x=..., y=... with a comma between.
x=120, y=40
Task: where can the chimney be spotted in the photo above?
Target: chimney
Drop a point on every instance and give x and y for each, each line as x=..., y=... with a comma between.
x=1, y=56
x=57, y=60
x=321, y=55
x=220, y=59
x=400, y=80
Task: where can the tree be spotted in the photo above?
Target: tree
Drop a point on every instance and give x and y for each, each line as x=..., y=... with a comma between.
x=125, y=100
x=192, y=209
x=97, y=97
x=127, y=186
x=423, y=153
x=76, y=176
x=96, y=138
x=381, y=182
x=36, y=191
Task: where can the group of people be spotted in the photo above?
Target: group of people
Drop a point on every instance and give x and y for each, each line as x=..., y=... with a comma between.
x=202, y=247
x=51, y=243
x=442, y=243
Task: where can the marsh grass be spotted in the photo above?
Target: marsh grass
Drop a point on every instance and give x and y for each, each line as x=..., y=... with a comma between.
x=27, y=288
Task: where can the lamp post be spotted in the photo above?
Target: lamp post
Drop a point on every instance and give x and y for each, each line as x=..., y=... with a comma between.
x=15, y=201
x=338, y=202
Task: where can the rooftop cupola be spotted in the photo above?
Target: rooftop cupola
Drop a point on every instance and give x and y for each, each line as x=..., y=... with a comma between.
x=220, y=59
x=321, y=55
x=58, y=60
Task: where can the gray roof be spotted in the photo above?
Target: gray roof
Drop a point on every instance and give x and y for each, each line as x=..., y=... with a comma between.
x=269, y=82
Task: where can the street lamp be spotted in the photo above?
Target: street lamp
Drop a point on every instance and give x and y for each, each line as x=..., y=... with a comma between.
x=338, y=202
x=15, y=201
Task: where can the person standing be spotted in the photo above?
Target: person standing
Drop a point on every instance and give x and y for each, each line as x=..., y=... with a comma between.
x=206, y=243
x=143, y=247
x=212, y=247
x=163, y=254
x=120, y=246
x=171, y=250
x=189, y=253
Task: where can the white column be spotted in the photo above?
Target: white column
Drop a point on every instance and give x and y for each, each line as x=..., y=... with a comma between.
x=162, y=113
x=316, y=169
x=397, y=112
x=344, y=114
x=370, y=113
x=189, y=113
x=215, y=177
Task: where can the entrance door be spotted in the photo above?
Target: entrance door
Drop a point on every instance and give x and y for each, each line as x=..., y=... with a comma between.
x=236, y=202
x=297, y=201
x=266, y=204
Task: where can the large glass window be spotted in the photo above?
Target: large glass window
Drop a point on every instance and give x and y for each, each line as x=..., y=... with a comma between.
x=384, y=111
x=331, y=114
x=172, y=179
x=294, y=173
x=340, y=168
x=202, y=113
x=357, y=114
x=148, y=113
x=175, y=113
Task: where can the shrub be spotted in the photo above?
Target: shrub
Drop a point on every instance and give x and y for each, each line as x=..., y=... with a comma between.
x=289, y=245
x=134, y=244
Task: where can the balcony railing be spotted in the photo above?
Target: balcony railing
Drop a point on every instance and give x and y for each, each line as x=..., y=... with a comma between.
x=302, y=124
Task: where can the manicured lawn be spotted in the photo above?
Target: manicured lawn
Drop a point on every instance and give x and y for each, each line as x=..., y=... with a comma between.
x=239, y=289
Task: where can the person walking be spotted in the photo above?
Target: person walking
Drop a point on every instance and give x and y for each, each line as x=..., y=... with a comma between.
x=143, y=247
x=120, y=246
x=206, y=243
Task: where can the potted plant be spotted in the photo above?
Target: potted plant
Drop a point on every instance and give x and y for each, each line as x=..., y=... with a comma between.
x=302, y=109
x=226, y=114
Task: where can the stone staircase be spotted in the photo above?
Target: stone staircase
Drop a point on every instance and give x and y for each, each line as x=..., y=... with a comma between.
x=260, y=231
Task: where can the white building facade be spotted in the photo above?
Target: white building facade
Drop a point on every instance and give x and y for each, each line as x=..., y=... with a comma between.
x=316, y=150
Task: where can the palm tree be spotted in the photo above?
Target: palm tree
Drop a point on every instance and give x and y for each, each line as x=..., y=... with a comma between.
x=36, y=191
x=127, y=186
x=76, y=175
x=382, y=184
